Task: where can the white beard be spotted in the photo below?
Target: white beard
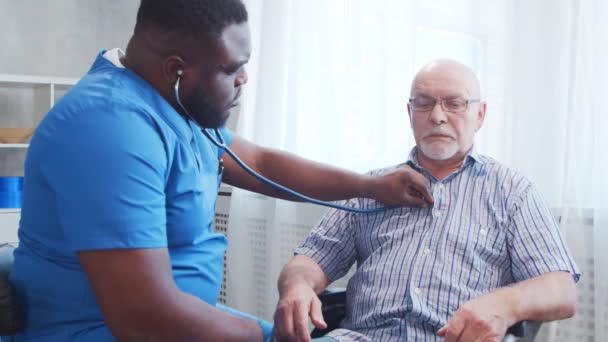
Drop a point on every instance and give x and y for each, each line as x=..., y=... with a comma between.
x=438, y=150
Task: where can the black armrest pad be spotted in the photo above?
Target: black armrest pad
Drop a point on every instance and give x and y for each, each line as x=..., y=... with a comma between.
x=10, y=317
x=525, y=330
x=332, y=298
x=334, y=308
x=516, y=330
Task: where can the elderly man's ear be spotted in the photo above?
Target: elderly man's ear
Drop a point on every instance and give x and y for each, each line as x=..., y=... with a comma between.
x=481, y=115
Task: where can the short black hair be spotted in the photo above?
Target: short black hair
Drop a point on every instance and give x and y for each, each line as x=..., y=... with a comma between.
x=196, y=18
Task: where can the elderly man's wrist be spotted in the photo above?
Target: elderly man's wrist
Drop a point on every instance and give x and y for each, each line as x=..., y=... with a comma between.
x=512, y=305
x=293, y=283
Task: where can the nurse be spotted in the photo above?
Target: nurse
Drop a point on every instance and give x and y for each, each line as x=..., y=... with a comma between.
x=120, y=187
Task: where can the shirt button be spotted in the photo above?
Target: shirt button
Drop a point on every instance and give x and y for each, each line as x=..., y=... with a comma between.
x=483, y=232
x=440, y=186
x=417, y=291
x=427, y=251
x=438, y=213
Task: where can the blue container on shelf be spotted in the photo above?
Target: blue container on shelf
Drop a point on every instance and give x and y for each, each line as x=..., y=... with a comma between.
x=11, y=192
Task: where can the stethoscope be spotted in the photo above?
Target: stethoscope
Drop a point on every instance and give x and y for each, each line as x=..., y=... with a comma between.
x=220, y=143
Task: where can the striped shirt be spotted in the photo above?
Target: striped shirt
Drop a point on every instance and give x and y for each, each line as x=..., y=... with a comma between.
x=489, y=227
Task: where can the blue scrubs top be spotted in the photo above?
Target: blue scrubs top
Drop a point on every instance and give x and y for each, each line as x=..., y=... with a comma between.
x=112, y=166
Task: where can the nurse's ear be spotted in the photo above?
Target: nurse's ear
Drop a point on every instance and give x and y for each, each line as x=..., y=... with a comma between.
x=172, y=67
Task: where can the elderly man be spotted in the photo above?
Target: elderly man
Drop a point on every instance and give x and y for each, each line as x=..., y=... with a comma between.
x=487, y=255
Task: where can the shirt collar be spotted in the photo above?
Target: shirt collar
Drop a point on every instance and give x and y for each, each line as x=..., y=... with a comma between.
x=472, y=158
x=114, y=56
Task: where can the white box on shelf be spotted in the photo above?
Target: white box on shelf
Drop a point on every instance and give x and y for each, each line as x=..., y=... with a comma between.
x=9, y=223
x=14, y=145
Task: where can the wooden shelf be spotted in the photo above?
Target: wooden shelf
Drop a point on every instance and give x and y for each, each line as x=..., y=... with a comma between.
x=28, y=79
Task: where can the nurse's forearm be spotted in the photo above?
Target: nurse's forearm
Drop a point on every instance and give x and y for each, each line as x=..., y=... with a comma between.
x=140, y=300
x=401, y=186
x=195, y=320
x=187, y=318
x=314, y=179
x=308, y=177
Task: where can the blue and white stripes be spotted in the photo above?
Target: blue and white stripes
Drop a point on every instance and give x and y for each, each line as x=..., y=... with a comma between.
x=489, y=228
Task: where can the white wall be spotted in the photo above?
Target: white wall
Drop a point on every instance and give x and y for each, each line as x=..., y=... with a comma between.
x=61, y=37
x=53, y=38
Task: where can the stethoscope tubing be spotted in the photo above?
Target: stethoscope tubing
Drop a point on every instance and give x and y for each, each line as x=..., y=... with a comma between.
x=222, y=145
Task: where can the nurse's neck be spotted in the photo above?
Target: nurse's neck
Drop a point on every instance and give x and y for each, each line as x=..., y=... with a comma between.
x=440, y=169
x=144, y=56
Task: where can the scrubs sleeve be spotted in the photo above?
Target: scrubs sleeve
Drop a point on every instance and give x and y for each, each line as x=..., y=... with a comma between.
x=109, y=179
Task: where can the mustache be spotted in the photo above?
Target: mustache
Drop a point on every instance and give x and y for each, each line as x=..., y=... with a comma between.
x=438, y=131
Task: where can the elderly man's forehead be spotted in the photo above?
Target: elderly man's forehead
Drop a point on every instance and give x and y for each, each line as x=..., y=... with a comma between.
x=446, y=74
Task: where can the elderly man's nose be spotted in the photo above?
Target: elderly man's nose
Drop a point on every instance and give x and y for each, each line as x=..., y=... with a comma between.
x=438, y=115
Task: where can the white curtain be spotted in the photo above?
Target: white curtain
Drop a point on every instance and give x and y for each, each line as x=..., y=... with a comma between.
x=329, y=80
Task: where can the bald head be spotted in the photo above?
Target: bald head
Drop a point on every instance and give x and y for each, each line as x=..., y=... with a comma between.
x=441, y=72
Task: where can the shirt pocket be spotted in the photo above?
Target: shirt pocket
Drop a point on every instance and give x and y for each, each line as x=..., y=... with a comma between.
x=478, y=249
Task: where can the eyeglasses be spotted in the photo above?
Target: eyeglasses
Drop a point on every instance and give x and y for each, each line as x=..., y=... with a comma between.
x=451, y=104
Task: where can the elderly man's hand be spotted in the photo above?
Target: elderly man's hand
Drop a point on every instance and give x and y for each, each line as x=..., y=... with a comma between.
x=402, y=186
x=483, y=319
x=293, y=310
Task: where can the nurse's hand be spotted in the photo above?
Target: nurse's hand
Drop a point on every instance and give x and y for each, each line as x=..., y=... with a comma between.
x=402, y=186
x=293, y=311
x=485, y=318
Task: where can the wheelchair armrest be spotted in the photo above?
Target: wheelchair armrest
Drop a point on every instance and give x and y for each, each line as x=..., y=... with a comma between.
x=10, y=318
x=333, y=303
x=524, y=331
